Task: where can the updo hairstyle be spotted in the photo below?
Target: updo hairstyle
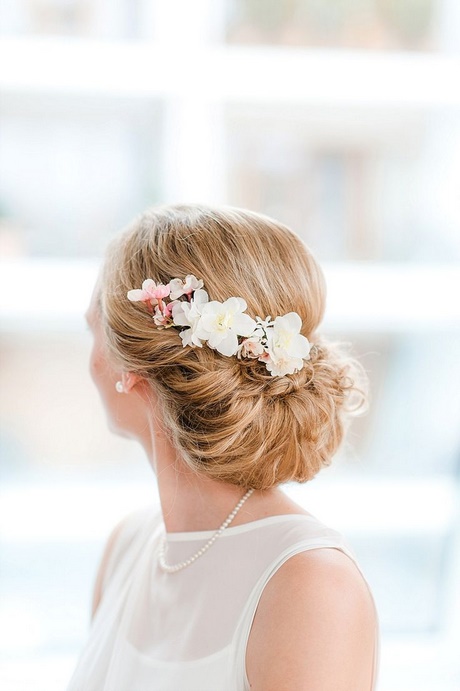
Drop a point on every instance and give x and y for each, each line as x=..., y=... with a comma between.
x=229, y=418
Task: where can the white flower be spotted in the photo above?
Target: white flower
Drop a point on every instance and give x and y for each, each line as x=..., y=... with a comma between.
x=187, y=287
x=189, y=314
x=222, y=322
x=283, y=365
x=287, y=348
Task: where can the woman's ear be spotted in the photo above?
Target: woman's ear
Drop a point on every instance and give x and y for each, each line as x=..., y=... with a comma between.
x=129, y=380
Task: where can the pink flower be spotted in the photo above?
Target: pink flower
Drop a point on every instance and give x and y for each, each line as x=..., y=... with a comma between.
x=150, y=293
x=163, y=316
x=251, y=347
x=265, y=357
x=168, y=309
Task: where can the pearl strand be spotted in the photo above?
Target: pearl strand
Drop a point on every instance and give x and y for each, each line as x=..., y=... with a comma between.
x=172, y=568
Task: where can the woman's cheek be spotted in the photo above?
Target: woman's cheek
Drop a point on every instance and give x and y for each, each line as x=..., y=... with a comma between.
x=98, y=366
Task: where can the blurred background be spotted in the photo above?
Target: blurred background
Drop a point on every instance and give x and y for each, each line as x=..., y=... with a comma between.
x=340, y=118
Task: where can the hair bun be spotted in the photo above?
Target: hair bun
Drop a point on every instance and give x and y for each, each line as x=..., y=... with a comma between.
x=230, y=419
x=290, y=383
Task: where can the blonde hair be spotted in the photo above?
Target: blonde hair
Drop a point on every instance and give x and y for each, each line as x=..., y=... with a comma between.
x=229, y=418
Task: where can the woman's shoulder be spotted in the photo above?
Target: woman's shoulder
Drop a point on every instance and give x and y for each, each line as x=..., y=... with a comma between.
x=316, y=607
x=290, y=524
x=134, y=522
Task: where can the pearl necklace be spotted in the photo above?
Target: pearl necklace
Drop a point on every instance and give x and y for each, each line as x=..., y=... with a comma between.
x=172, y=568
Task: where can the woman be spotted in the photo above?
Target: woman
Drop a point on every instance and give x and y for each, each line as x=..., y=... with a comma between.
x=206, y=352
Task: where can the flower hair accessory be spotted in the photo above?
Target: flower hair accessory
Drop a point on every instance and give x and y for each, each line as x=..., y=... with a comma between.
x=224, y=326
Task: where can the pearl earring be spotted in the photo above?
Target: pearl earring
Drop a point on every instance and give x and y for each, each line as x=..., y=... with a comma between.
x=119, y=387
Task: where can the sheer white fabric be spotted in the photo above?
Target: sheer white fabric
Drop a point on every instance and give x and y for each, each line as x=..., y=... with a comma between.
x=188, y=631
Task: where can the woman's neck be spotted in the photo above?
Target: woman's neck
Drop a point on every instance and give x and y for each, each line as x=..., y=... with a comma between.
x=191, y=501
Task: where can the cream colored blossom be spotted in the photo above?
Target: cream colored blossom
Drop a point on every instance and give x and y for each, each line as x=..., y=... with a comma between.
x=222, y=322
x=286, y=347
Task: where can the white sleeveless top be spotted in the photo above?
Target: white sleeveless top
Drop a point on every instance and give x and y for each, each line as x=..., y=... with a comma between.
x=188, y=631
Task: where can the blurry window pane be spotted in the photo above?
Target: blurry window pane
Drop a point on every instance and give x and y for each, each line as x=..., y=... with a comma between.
x=85, y=18
x=85, y=169
x=376, y=24
x=355, y=184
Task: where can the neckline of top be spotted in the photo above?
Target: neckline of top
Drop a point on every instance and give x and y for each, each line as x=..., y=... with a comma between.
x=236, y=529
